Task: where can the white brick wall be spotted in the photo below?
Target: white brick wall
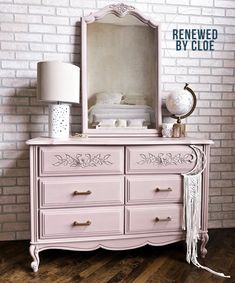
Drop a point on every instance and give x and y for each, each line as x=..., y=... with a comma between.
x=34, y=30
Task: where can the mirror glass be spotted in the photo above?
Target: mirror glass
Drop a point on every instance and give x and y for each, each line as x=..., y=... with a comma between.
x=121, y=74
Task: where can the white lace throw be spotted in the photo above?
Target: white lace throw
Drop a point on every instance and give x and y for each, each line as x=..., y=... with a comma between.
x=192, y=210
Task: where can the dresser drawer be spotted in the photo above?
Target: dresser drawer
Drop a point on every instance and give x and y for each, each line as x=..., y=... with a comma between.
x=160, y=159
x=153, y=189
x=81, y=160
x=153, y=218
x=65, y=223
x=81, y=191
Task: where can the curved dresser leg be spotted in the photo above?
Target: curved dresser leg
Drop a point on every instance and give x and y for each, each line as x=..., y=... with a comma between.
x=34, y=253
x=204, y=240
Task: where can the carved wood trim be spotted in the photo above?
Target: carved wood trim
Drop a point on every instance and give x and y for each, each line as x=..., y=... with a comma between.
x=120, y=10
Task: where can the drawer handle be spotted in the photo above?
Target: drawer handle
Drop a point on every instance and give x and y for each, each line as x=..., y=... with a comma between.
x=163, y=190
x=77, y=193
x=77, y=223
x=157, y=219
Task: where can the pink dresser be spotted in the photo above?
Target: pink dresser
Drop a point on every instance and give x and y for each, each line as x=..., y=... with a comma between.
x=115, y=194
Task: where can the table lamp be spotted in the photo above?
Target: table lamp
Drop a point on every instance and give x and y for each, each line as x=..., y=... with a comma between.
x=181, y=103
x=59, y=84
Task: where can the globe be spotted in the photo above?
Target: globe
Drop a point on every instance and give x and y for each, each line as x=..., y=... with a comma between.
x=179, y=102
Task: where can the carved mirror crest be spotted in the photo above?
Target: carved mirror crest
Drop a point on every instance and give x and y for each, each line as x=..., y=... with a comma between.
x=120, y=73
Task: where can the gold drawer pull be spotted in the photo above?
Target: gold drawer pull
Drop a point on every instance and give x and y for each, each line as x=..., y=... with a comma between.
x=77, y=193
x=157, y=219
x=163, y=190
x=77, y=223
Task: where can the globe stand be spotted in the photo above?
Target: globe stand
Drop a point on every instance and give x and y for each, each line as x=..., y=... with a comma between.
x=179, y=130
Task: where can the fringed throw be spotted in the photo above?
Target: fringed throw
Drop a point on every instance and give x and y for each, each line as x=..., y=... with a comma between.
x=192, y=211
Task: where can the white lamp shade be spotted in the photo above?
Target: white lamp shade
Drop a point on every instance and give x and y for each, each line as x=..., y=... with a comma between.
x=57, y=81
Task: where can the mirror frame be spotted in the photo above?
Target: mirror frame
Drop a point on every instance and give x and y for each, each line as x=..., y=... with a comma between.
x=119, y=10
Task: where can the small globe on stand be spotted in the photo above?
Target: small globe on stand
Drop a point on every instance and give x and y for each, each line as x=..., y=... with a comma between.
x=181, y=103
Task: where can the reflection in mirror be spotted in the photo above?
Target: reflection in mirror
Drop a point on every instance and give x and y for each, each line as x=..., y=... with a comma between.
x=122, y=74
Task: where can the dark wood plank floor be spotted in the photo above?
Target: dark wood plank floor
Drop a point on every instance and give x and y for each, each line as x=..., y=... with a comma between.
x=148, y=264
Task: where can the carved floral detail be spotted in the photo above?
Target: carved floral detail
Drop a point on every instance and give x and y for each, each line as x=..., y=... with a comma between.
x=121, y=8
x=82, y=161
x=165, y=159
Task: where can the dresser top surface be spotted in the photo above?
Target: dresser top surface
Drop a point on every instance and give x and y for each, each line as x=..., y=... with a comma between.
x=117, y=141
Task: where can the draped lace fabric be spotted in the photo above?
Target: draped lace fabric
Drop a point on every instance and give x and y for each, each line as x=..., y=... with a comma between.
x=192, y=210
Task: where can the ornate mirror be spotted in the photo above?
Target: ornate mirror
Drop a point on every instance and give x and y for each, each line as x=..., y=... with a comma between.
x=120, y=73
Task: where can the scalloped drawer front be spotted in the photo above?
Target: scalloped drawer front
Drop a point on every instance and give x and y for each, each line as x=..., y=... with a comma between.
x=153, y=218
x=160, y=159
x=81, y=160
x=153, y=189
x=81, y=191
x=64, y=223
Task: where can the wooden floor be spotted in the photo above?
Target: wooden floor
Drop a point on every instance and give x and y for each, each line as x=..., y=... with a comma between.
x=148, y=264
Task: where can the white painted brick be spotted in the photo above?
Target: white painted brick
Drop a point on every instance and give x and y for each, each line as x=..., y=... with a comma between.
x=58, y=57
x=200, y=20
x=7, y=73
x=7, y=55
x=56, y=2
x=164, y=9
x=222, y=104
x=229, y=46
x=223, y=54
x=213, y=12
x=35, y=2
x=29, y=55
x=222, y=71
x=42, y=28
x=28, y=37
x=212, y=63
x=9, y=8
x=40, y=10
x=187, y=78
x=6, y=17
x=84, y=3
x=222, y=87
x=26, y=74
x=6, y=36
x=230, y=29
x=209, y=128
x=199, y=71
x=177, y=2
x=210, y=79
x=15, y=46
x=187, y=62
x=230, y=12
x=15, y=137
x=228, y=143
x=13, y=27
x=229, y=63
x=56, y=38
x=175, y=70
x=28, y=18
x=14, y=82
x=225, y=3
x=55, y=20
x=224, y=21
x=70, y=30
x=221, y=199
x=177, y=19
x=202, y=3
x=69, y=12
x=189, y=10
x=43, y=47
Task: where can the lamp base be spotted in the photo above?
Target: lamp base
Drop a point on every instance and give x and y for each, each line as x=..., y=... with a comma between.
x=59, y=121
x=179, y=130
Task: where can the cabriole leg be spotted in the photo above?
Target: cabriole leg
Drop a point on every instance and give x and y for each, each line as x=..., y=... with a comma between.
x=34, y=253
x=204, y=240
